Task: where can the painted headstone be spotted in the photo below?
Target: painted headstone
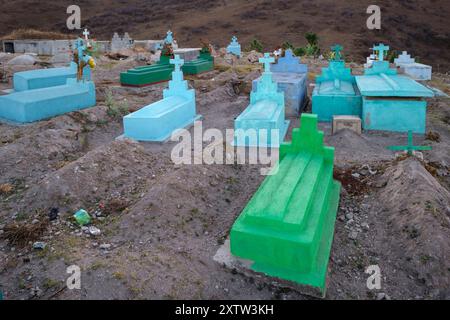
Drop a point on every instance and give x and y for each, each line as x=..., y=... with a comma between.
x=42, y=103
x=290, y=76
x=410, y=148
x=263, y=122
x=157, y=121
x=204, y=62
x=287, y=228
x=234, y=47
x=409, y=66
x=336, y=92
x=391, y=102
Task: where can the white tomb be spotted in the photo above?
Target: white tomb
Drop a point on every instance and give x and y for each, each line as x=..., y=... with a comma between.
x=410, y=67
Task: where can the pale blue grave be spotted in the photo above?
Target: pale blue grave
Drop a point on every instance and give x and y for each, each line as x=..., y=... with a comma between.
x=234, y=47
x=290, y=76
x=42, y=103
x=336, y=93
x=263, y=122
x=43, y=78
x=157, y=121
x=392, y=102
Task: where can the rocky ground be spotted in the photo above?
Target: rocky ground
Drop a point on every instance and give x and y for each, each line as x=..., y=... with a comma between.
x=161, y=224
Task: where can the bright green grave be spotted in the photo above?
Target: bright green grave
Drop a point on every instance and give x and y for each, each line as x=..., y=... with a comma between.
x=204, y=63
x=287, y=227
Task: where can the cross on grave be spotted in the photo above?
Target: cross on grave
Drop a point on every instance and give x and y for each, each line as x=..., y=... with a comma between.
x=381, y=48
x=234, y=39
x=337, y=52
x=410, y=148
x=177, y=62
x=267, y=60
x=169, y=38
x=86, y=34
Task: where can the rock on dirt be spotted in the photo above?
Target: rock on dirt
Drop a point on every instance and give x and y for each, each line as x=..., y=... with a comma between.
x=23, y=60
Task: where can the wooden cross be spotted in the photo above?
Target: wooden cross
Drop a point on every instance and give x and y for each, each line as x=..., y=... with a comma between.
x=381, y=48
x=267, y=60
x=337, y=52
x=410, y=148
x=177, y=62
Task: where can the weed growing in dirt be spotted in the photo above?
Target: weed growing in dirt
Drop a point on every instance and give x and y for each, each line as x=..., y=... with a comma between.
x=256, y=45
x=116, y=110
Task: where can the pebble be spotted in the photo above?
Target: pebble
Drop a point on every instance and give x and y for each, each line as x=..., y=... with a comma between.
x=349, y=216
x=365, y=226
x=94, y=231
x=353, y=235
x=383, y=296
x=105, y=246
x=39, y=245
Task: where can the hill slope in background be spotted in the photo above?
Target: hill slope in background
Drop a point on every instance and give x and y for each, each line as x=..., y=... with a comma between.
x=419, y=26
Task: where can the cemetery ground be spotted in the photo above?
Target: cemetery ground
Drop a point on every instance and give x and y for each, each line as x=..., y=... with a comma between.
x=161, y=224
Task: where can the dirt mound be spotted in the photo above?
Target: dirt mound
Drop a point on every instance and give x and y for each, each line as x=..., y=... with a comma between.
x=27, y=34
x=418, y=223
x=122, y=166
x=347, y=141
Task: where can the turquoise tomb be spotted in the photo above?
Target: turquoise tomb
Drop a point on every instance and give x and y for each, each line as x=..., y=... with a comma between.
x=290, y=76
x=391, y=102
x=52, y=98
x=263, y=122
x=234, y=47
x=336, y=92
x=157, y=121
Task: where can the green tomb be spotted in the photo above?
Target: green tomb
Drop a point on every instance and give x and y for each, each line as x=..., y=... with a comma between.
x=162, y=70
x=410, y=148
x=287, y=227
x=204, y=63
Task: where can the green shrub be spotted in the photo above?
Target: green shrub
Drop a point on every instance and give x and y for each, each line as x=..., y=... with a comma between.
x=256, y=45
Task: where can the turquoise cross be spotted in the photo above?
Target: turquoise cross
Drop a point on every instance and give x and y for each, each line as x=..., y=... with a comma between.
x=337, y=52
x=267, y=60
x=234, y=39
x=169, y=38
x=410, y=148
x=177, y=62
x=381, y=48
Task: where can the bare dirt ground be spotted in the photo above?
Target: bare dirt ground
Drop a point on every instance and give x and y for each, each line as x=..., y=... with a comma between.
x=161, y=223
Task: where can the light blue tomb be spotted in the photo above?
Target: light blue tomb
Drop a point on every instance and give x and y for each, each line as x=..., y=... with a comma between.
x=336, y=92
x=46, y=102
x=392, y=102
x=157, y=121
x=234, y=47
x=263, y=122
x=44, y=78
x=290, y=76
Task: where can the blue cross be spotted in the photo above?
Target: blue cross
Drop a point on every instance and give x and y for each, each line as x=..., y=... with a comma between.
x=234, y=39
x=381, y=48
x=169, y=38
x=267, y=60
x=337, y=52
x=177, y=62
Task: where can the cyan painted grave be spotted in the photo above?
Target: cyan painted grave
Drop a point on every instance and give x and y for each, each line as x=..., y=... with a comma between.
x=234, y=47
x=392, y=102
x=263, y=122
x=290, y=76
x=336, y=92
x=157, y=121
x=42, y=103
x=287, y=227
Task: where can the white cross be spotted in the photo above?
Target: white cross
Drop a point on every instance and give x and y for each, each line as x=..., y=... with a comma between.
x=86, y=34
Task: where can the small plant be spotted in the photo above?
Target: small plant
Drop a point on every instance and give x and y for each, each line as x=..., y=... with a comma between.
x=287, y=45
x=256, y=45
x=115, y=110
x=299, y=52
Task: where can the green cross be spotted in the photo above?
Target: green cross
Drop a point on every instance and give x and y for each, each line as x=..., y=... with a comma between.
x=381, y=48
x=337, y=52
x=410, y=147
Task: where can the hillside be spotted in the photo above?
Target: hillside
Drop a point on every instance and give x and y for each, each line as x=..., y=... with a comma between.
x=419, y=26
